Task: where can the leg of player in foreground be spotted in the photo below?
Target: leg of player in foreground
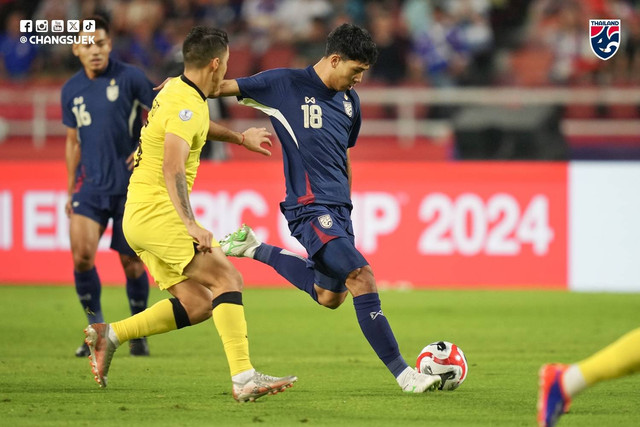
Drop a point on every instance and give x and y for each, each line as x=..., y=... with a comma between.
x=85, y=234
x=212, y=282
x=559, y=384
x=337, y=258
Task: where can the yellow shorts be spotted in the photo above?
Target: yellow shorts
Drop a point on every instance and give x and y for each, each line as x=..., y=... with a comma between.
x=159, y=237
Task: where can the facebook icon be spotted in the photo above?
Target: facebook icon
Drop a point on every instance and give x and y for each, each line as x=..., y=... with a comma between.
x=26, y=26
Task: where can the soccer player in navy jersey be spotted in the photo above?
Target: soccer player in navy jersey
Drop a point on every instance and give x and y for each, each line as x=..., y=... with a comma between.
x=101, y=108
x=316, y=115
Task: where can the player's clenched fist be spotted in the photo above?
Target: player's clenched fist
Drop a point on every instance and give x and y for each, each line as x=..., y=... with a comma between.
x=202, y=237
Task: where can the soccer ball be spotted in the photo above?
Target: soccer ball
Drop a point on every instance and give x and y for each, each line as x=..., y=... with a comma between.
x=445, y=359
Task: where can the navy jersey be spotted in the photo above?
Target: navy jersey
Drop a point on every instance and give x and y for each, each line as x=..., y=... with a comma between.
x=107, y=113
x=316, y=125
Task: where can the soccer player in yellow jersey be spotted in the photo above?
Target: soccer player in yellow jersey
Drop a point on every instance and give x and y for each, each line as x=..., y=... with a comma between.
x=561, y=383
x=159, y=224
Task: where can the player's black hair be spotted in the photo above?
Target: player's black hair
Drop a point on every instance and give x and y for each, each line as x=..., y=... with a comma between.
x=101, y=23
x=353, y=43
x=203, y=44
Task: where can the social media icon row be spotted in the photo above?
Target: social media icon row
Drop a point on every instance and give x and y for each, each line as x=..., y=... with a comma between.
x=57, y=26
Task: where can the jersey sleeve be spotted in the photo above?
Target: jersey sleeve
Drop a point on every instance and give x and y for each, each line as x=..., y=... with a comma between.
x=143, y=88
x=68, y=118
x=266, y=88
x=184, y=123
x=355, y=130
x=357, y=120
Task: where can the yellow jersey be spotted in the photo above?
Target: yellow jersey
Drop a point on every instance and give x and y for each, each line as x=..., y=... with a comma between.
x=179, y=108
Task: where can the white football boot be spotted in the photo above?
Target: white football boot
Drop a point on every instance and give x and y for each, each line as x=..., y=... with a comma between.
x=259, y=385
x=412, y=381
x=102, y=349
x=241, y=243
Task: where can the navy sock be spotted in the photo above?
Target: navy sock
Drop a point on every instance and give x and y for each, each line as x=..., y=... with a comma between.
x=290, y=266
x=376, y=329
x=138, y=293
x=88, y=290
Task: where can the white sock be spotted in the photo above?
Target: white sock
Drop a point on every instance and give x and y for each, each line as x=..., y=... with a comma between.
x=113, y=337
x=243, y=377
x=404, y=376
x=573, y=381
x=251, y=251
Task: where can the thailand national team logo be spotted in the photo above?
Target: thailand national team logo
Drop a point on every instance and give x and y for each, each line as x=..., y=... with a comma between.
x=348, y=108
x=604, y=37
x=112, y=91
x=325, y=221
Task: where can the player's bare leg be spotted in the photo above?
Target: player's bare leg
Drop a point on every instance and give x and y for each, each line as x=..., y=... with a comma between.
x=330, y=299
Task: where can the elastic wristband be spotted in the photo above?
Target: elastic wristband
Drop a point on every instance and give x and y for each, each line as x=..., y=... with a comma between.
x=242, y=142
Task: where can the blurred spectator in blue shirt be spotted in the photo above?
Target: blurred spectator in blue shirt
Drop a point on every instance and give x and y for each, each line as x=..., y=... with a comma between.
x=17, y=57
x=456, y=48
x=441, y=52
x=260, y=18
x=223, y=14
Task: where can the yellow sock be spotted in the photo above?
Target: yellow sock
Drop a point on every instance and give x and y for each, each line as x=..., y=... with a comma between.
x=616, y=360
x=232, y=327
x=157, y=319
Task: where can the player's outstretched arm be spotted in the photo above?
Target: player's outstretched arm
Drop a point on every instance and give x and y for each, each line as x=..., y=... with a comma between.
x=228, y=88
x=176, y=151
x=161, y=85
x=252, y=138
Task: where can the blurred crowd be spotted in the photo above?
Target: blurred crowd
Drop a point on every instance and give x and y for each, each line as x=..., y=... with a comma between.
x=437, y=43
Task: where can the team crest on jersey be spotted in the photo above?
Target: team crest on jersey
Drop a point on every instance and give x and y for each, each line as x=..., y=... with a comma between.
x=185, y=115
x=348, y=108
x=604, y=37
x=325, y=221
x=112, y=91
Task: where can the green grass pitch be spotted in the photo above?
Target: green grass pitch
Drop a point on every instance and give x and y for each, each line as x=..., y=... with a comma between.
x=506, y=336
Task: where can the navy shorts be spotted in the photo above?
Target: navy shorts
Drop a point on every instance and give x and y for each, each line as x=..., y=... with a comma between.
x=100, y=208
x=326, y=233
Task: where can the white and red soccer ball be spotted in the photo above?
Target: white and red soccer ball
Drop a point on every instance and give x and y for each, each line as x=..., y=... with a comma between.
x=445, y=359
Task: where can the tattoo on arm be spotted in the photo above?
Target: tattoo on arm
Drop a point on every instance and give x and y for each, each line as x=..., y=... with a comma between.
x=183, y=195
